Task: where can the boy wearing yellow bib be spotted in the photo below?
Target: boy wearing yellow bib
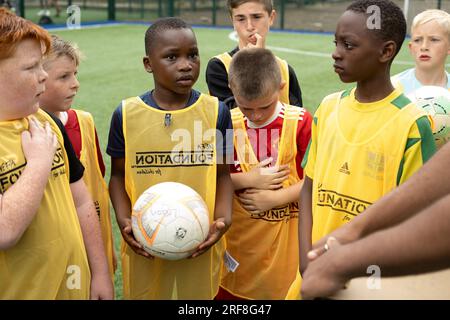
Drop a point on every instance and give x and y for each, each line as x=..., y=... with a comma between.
x=50, y=242
x=251, y=20
x=270, y=139
x=367, y=140
x=144, y=145
x=61, y=87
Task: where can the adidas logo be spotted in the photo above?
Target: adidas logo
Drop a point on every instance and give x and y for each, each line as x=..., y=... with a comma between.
x=344, y=168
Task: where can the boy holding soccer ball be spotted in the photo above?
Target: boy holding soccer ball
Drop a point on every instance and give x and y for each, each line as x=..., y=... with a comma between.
x=270, y=140
x=365, y=141
x=148, y=136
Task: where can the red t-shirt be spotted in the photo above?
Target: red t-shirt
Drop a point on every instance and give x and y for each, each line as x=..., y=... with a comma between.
x=264, y=140
x=73, y=131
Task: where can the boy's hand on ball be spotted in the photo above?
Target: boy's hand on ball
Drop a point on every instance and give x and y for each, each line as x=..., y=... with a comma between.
x=127, y=234
x=216, y=231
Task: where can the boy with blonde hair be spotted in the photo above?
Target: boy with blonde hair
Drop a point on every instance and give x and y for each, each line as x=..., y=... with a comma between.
x=429, y=46
x=62, y=85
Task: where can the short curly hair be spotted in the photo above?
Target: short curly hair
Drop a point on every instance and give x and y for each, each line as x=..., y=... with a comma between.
x=393, y=23
x=159, y=26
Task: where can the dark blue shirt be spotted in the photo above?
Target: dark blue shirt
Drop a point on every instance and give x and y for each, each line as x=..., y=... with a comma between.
x=116, y=141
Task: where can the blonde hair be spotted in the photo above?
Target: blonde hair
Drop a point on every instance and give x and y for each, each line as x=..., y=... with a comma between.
x=60, y=48
x=440, y=16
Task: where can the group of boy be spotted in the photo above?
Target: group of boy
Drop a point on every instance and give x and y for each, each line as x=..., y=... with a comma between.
x=361, y=144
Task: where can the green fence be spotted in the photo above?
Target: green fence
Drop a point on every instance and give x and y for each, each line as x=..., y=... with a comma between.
x=315, y=15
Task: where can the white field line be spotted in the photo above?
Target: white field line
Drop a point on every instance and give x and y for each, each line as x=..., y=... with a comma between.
x=233, y=36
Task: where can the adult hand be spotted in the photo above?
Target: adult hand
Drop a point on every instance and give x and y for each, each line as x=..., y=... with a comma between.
x=322, y=277
x=342, y=235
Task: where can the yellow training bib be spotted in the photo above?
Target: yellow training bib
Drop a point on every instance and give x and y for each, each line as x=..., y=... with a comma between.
x=177, y=146
x=49, y=261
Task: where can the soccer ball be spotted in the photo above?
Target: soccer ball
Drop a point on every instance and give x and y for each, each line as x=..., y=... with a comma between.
x=170, y=220
x=436, y=102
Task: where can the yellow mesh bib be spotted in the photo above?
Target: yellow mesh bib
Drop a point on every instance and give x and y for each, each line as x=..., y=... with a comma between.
x=153, y=141
x=266, y=245
x=49, y=261
x=95, y=182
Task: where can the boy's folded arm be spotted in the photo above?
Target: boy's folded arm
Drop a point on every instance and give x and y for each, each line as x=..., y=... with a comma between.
x=287, y=195
x=241, y=180
x=261, y=177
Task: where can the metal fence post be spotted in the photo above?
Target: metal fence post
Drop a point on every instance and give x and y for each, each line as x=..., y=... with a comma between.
x=160, y=8
x=439, y=4
x=171, y=8
x=21, y=8
x=112, y=10
x=214, y=13
x=282, y=12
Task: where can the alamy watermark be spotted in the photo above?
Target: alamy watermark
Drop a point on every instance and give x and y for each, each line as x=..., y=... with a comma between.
x=374, y=280
x=74, y=277
x=264, y=143
x=374, y=20
x=74, y=17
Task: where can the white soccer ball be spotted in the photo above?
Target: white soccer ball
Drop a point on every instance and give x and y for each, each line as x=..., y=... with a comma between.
x=170, y=220
x=436, y=102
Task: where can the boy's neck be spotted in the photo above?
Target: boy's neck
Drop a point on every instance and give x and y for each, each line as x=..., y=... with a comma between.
x=375, y=89
x=436, y=77
x=168, y=100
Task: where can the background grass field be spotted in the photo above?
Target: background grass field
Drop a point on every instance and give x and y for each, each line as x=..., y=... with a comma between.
x=112, y=71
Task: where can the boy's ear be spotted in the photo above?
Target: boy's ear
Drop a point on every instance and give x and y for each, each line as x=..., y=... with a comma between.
x=147, y=64
x=272, y=17
x=282, y=85
x=388, y=51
